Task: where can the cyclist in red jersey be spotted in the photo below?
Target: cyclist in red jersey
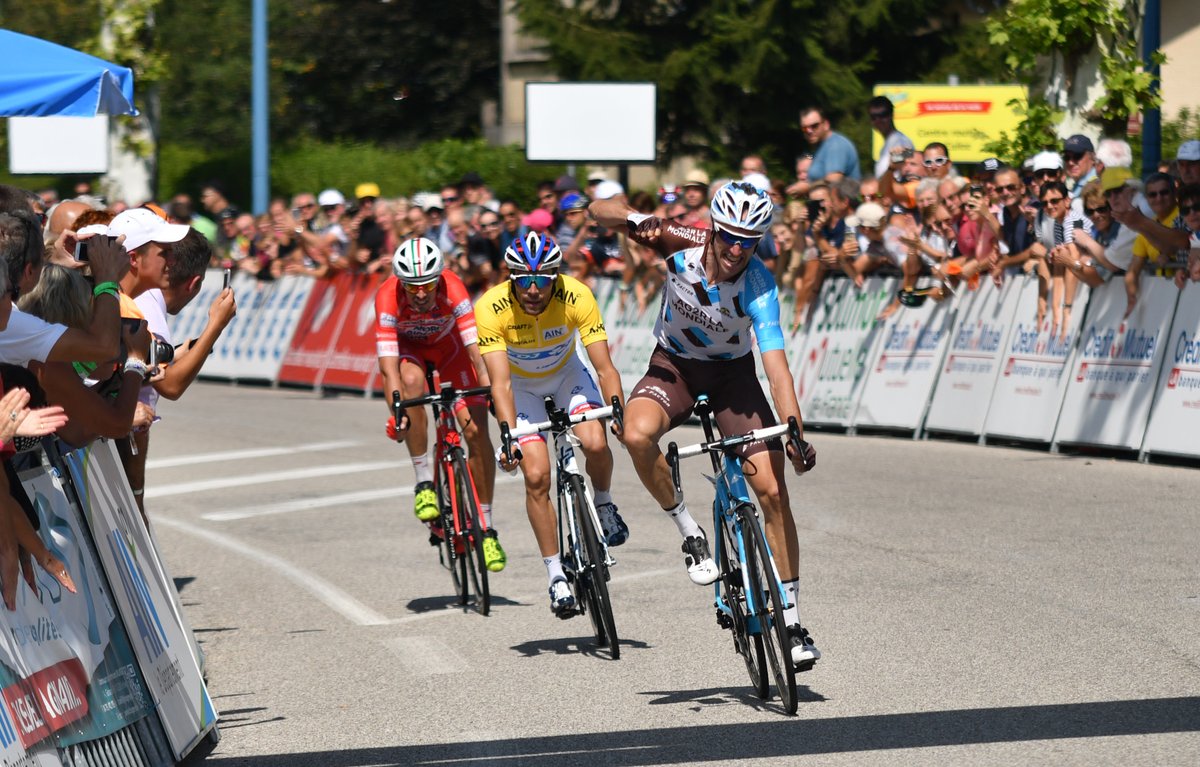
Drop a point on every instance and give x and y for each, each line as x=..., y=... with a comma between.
x=424, y=314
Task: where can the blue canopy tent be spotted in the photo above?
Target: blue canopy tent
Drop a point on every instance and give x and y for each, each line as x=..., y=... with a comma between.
x=43, y=79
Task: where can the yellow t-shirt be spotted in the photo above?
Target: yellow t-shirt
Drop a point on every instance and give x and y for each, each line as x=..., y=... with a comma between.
x=1142, y=248
x=539, y=346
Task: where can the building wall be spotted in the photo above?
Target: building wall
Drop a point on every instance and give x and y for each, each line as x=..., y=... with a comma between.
x=1181, y=43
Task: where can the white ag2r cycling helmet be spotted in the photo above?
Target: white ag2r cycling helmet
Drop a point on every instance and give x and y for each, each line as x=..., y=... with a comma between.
x=741, y=208
x=416, y=261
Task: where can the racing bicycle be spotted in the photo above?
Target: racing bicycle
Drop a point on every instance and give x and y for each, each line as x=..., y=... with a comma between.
x=585, y=556
x=749, y=595
x=460, y=545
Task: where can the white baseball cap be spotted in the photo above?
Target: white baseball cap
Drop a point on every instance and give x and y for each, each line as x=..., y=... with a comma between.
x=1189, y=151
x=608, y=189
x=330, y=197
x=141, y=225
x=1047, y=161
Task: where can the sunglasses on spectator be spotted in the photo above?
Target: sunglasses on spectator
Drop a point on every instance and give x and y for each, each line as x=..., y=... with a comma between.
x=1045, y=173
x=449, y=200
x=1160, y=193
x=1008, y=188
x=1105, y=209
x=730, y=239
x=420, y=287
x=527, y=281
x=936, y=162
x=1072, y=156
x=680, y=218
x=1053, y=200
x=1184, y=210
x=488, y=224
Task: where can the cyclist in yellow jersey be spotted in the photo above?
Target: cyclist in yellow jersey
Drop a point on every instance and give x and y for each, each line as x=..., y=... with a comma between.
x=527, y=327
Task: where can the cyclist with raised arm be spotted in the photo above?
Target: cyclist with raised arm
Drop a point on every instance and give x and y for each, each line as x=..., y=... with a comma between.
x=718, y=301
x=424, y=315
x=527, y=330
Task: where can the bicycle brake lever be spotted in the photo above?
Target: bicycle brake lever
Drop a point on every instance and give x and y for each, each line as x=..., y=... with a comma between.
x=673, y=462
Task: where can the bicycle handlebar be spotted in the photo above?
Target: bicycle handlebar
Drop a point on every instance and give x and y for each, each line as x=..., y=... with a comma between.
x=558, y=420
x=587, y=415
x=446, y=395
x=791, y=428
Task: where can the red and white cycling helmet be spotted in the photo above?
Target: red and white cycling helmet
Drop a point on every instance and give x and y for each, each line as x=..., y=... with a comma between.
x=417, y=260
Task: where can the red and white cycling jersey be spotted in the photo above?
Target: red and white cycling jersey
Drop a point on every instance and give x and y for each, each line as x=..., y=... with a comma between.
x=397, y=323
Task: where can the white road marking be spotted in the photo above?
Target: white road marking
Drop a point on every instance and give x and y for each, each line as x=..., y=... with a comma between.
x=333, y=597
x=319, y=502
x=182, y=488
x=236, y=455
x=427, y=655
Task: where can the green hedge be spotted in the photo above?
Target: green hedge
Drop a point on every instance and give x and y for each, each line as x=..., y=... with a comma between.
x=313, y=166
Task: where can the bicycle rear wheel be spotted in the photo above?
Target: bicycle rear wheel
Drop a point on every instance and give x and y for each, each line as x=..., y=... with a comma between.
x=768, y=599
x=593, y=573
x=745, y=643
x=472, y=536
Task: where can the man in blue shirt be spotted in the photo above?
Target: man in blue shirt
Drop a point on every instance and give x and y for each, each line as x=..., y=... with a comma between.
x=834, y=156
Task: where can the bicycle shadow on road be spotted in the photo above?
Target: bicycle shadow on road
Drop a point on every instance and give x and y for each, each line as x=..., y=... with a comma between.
x=450, y=602
x=777, y=736
x=584, y=645
x=696, y=700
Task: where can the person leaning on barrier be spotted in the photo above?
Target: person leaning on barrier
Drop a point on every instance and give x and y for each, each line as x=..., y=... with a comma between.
x=29, y=338
x=20, y=545
x=1106, y=245
x=63, y=296
x=1162, y=242
x=185, y=270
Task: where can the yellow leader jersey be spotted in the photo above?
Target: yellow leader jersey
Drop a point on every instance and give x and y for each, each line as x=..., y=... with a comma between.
x=538, y=347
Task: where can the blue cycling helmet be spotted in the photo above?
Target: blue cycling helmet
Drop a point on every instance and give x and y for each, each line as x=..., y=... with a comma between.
x=533, y=253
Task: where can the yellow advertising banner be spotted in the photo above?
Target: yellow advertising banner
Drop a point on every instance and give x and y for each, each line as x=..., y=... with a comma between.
x=963, y=117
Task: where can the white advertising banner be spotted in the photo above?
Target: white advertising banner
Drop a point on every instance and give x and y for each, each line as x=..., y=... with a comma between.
x=1175, y=421
x=1116, y=370
x=906, y=367
x=842, y=336
x=141, y=591
x=630, y=333
x=1035, y=370
x=977, y=346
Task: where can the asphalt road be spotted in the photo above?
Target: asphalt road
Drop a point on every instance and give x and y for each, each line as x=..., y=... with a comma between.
x=974, y=606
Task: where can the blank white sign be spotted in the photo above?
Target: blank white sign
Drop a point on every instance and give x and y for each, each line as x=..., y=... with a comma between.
x=58, y=144
x=590, y=122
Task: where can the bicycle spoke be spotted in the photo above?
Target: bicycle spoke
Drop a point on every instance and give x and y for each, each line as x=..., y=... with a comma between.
x=769, y=608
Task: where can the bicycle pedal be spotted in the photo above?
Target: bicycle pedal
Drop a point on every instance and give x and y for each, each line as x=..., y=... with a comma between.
x=724, y=621
x=807, y=665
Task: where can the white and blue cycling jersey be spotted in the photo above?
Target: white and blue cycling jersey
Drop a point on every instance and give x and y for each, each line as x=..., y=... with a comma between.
x=713, y=322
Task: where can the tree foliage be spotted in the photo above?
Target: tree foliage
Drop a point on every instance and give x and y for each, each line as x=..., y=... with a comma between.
x=1039, y=33
x=733, y=74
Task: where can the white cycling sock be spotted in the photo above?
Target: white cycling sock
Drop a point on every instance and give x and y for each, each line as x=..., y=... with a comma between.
x=602, y=497
x=554, y=569
x=485, y=514
x=683, y=520
x=422, y=468
x=791, y=592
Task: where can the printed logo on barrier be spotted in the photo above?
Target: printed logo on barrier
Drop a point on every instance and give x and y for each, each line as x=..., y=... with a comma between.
x=149, y=627
x=8, y=734
x=47, y=701
x=1173, y=380
x=1083, y=366
x=324, y=308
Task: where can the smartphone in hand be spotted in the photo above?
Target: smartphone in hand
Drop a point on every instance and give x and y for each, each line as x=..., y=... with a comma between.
x=228, y=277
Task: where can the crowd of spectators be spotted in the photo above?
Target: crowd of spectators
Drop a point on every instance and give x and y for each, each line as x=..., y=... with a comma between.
x=85, y=348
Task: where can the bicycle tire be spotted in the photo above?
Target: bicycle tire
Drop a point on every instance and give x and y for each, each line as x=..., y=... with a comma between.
x=456, y=563
x=746, y=644
x=472, y=536
x=770, y=610
x=594, y=573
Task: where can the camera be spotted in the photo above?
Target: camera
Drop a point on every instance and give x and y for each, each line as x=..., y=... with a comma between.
x=161, y=352
x=814, y=208
x=975, y=189
x=81, y=247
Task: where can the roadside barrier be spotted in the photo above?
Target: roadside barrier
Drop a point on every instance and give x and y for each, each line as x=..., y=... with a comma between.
x=108, y=675
x=978, y=364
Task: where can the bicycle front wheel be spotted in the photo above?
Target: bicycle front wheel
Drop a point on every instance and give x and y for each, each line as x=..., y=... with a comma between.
x=768, y=605
x=747, y=644
x=593, y=581
x=470, y=532
x=450, y=551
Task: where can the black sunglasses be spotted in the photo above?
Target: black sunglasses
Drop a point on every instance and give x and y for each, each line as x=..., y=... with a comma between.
x=1186, y=209
x=1105, y=209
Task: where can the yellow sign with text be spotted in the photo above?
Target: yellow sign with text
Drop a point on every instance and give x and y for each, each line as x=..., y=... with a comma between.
x=963, y=117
